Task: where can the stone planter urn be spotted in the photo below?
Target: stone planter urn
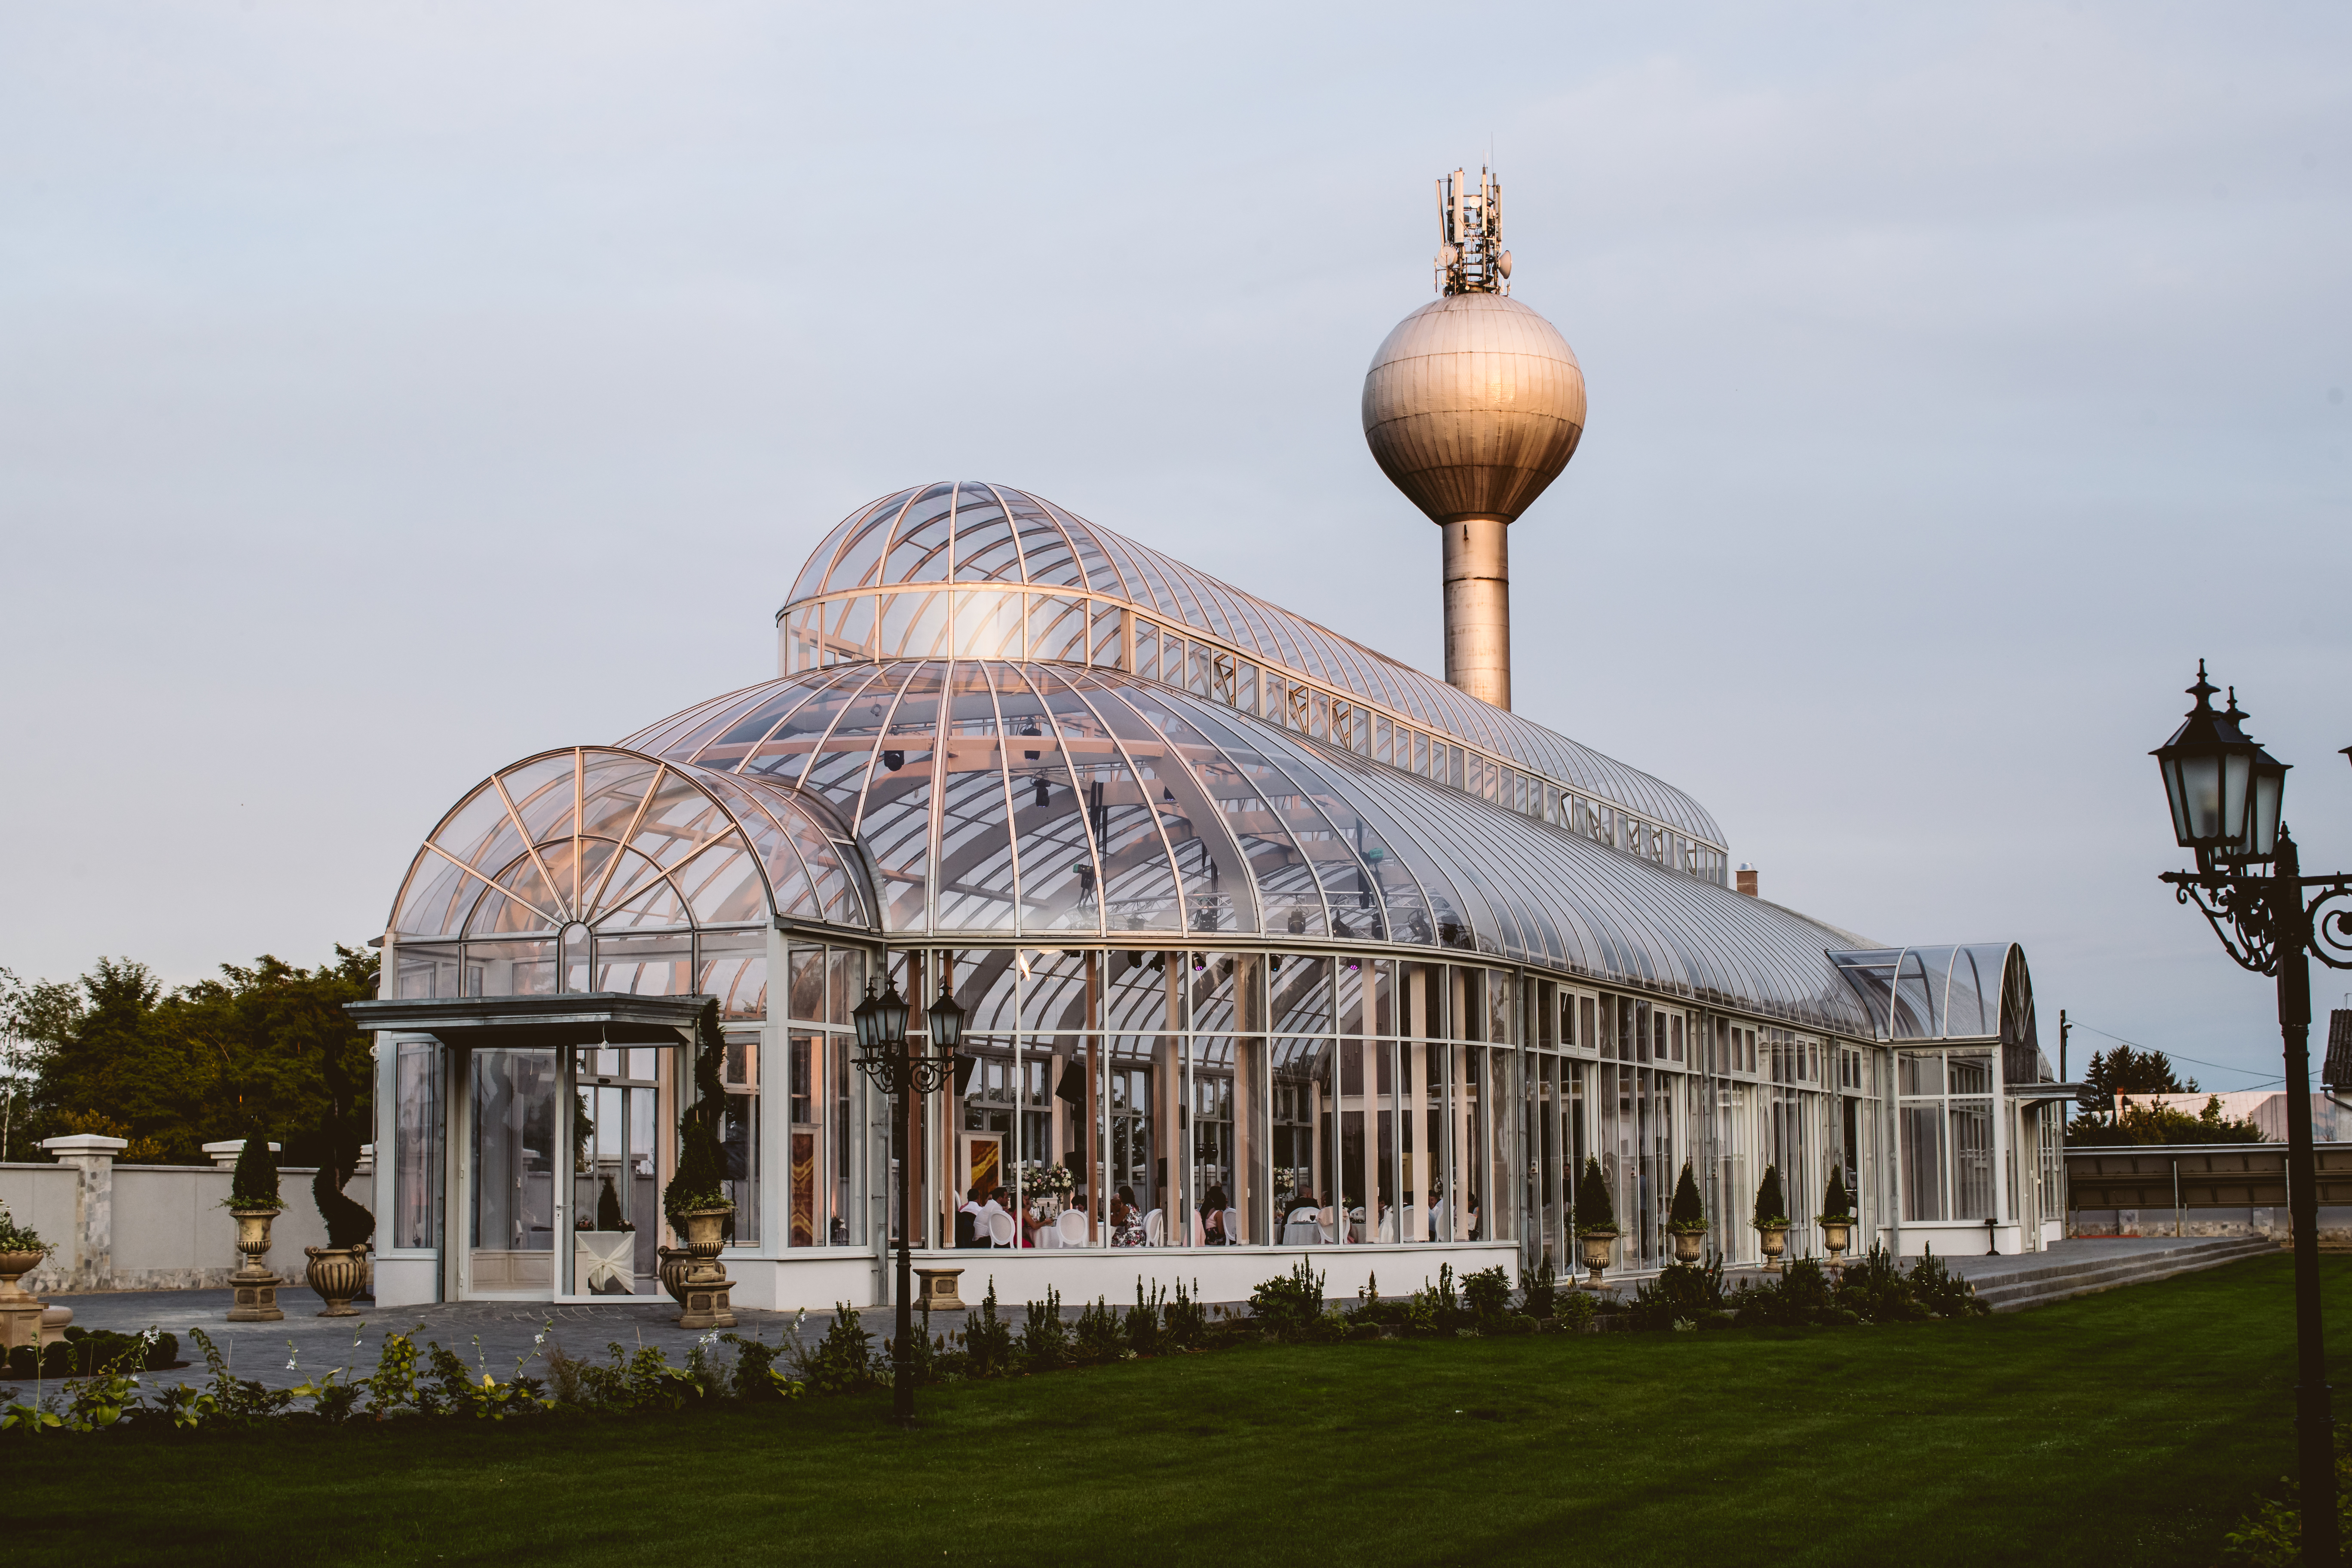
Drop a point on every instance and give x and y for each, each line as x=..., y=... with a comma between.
x=706, y=1284
x=255, y=1286
x=1688, y=1244
x=1596, y=1245
x=676, y=1262
x=337, y=1274
x=1837, y=1235
x=1774, y=1241
x=20, y=1309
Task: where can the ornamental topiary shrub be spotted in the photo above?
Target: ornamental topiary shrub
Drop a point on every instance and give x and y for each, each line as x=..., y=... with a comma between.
x=254, y=1184
x=1595, y=1215
x=1689, y=1213
x=1771, y=1208
x=1836, y=1206
x=700, y=1180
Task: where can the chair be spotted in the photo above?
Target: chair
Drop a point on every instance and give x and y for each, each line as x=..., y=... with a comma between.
x=1155, y=1229
x=1199, y=1232
x=1072, y=1226
x=1232, y=1227
x=1389, y=1225
x=1000, y=1228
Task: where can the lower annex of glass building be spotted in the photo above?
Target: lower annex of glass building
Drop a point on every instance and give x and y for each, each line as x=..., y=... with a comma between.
x=1269, y=945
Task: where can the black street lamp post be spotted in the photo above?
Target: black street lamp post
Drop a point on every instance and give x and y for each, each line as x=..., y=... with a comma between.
x=901, y=1069
x=2224, y=790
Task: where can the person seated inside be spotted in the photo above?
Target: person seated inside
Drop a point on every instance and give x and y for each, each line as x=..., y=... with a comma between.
x=1126, y=1220
x=969, y=1230
x=1212, y=1218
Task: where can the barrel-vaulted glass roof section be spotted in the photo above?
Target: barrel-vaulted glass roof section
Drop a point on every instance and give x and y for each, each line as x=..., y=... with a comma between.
x=1047, y=803
x=978, y=571
x=624, y=843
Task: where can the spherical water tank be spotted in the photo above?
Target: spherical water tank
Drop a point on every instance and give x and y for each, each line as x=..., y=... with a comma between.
x=1473, y=406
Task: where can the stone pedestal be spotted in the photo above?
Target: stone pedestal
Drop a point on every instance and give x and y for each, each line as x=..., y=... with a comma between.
x=936, y=1289
x=706, y=1288
x=255, y=1286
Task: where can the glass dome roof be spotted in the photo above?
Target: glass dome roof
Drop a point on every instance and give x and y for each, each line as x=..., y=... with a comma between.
x=1044, y=803
x=625, y=842
x=968, y=532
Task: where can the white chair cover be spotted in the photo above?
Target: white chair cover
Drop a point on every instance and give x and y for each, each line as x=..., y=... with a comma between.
x=1155, y=1229
x=1000, y=1228
x=1072, y=1226
x=1233, y=1226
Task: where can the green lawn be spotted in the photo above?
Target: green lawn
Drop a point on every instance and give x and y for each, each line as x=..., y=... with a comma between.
x=2129, y=1427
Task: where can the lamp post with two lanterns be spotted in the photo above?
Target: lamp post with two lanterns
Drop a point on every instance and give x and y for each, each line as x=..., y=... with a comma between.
x=899, y=1068
x=2224, y=790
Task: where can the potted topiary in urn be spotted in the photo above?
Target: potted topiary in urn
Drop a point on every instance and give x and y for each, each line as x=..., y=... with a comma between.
x=339, y=1270
x=1687, y=1221
x=1836, y=1219
x=1771, y=1219
x=696, y=1199
x=1596, y=1221
x=253, y=1200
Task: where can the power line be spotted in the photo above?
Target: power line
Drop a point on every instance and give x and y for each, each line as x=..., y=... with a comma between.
x=2175, y=1056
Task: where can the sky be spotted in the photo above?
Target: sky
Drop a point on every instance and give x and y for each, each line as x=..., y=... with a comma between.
x=389, y=392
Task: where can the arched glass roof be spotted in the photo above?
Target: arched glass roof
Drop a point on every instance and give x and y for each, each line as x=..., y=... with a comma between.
x=626, y=842
x=1933, y=992
x=966, y=533
x=1041, y=802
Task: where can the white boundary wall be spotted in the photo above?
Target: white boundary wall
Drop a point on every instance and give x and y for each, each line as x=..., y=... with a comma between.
x=150, y=1228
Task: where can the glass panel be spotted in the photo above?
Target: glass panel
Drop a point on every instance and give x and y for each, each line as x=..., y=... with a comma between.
x=416, y=1146
x=734, y=968
x=512, y=1231
x=616, y=1198
x=1923, y=1162
x=646, y=965
x=739, y=1136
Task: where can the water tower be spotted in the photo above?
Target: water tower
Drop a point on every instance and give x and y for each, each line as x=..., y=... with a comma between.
x=1473, y=406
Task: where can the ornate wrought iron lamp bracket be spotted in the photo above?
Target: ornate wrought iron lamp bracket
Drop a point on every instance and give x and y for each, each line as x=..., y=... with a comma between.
x=2250, y=913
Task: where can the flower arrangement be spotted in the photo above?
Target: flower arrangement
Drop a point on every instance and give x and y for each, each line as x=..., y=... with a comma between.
x=14, y=1238
x=1053, y=1180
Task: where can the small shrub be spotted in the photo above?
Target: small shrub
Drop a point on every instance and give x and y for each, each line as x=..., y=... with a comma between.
x=393, y=1390
x=1681, y=1292
x=1288, y=1304
x=254, y=1184
x=1835, y=1203
x=1368, y=1307
x=840, y=1362
x=1143, y=1330
x=1575, y=1310
x=1044, y=1336
x=1689, y=1213
x=2270, y=1536
x=755, y=1379
x=1488, y=1292
x=1539, y=1290
x=1596, y=1214
x=1942, y=1292
x=1101, y=1335
x=1184, y=1321
x=1874, y=1288
x=987, y=1339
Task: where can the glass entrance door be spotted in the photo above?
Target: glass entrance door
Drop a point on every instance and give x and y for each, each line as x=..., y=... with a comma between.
x=511, y=1240
x=615, y=1185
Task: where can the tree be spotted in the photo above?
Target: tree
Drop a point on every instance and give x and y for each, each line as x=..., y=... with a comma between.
x=2122, y=1070
x=2144, y=1123
x=1595, y=1214
x=262, y=1046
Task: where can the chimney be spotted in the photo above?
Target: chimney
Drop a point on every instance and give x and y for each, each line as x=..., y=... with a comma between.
x=1747, y=880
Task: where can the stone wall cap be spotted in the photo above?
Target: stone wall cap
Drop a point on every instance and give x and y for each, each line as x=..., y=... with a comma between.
x=86, y=1144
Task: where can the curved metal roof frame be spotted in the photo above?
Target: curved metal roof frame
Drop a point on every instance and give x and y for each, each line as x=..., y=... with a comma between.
x=967, y=533
x=624, y=840
x=1047, y=803
x=1970, y=991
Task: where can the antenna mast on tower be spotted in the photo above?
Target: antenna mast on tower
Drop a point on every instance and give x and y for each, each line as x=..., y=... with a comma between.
x=1470, y=255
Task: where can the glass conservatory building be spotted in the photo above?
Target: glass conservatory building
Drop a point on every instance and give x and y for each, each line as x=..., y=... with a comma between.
x=1270, y=946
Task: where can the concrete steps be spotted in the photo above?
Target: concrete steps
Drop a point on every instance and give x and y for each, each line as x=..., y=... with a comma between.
x=2037, y=1285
